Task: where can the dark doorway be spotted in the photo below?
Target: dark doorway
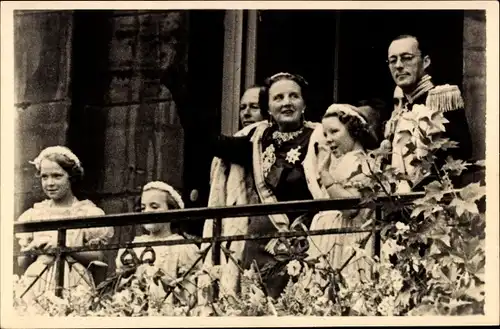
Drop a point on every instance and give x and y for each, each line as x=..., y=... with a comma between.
x=365, y=37
x=304, y=42
x=202, y=117
x=287, y=41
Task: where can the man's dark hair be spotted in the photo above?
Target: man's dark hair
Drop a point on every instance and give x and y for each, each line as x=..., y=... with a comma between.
x=380, y=113
x=265, y=114
x=423, y=46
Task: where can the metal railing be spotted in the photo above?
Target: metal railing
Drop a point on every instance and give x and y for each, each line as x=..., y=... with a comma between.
x=215, y=213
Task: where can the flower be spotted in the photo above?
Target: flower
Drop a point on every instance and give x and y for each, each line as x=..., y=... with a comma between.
x=390, y=247
x=214, y=272
x=397, y=280
x=343, y=292
x=386, y=306
x=398, y=285
x=319, y=279
x=250, y=274
x=293, y=268
x=385, y=144
x=256, y=296
x=402, y=228
x=321, y=264
x=322, y=301
x=315, y=291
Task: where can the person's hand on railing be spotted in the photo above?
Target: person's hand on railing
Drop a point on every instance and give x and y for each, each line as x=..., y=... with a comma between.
x=95, y=242
x=44, y=243
x=41, y=243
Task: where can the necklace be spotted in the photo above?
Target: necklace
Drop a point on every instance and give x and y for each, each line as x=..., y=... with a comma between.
x=282, y=137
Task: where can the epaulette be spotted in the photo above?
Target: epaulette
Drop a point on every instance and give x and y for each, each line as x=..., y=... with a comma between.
x=445, y=98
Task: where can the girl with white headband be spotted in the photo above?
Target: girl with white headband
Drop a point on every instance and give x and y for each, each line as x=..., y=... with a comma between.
x=59, y=169
x=173, y=260
x=348, y=132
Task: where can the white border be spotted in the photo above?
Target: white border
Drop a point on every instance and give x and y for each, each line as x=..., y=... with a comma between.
x=7, y=154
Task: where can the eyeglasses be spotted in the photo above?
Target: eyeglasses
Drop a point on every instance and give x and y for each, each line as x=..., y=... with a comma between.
x=405, y=59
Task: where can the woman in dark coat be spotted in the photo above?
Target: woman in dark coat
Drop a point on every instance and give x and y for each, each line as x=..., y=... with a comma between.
x=279, y=154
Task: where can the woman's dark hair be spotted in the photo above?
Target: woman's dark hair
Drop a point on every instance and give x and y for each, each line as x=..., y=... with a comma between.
x=74, y=170
x=264, y=91
x=358, y=130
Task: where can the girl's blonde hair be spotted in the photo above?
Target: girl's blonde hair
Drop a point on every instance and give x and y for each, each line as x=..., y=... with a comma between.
x=174, y=199
x=64, y=157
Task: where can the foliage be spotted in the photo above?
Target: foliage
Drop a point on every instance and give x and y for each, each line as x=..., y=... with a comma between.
x=433, y=247
x=432, y=259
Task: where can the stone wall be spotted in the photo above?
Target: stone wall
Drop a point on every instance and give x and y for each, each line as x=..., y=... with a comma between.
x=474, y=82
x=115, y=114
x=42, y=78
x=139, y=136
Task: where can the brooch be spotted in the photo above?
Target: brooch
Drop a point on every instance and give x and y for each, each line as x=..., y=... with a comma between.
x=293, y=155
x=268, y=159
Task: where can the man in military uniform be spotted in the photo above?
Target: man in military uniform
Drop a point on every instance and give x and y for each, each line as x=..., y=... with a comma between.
x=409, y=62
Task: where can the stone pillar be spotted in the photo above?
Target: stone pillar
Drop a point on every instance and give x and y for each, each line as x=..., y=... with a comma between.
x=474, y=82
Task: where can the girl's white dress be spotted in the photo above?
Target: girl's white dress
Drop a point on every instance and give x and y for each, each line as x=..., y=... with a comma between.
x=338, y=248
x=75, y=274
x=174, y=261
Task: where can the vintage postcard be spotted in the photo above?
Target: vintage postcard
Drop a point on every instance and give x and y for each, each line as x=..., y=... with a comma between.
x=249, y=163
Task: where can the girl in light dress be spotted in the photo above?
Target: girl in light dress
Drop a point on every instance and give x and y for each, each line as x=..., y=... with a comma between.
x=59, y=168
x=342, y=169
x=172, y=260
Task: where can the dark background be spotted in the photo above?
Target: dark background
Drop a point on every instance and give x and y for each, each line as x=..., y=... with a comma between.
x=303, y=42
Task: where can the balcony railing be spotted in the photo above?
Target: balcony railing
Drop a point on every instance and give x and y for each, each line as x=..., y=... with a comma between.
x=215, y=213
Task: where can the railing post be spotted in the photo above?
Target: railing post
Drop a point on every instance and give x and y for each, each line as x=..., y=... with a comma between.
x=378, y=219
x=216, y=250
x=61, y=243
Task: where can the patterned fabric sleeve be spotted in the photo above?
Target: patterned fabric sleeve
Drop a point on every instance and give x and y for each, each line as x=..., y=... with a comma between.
x=99, y=234
x=26, y=237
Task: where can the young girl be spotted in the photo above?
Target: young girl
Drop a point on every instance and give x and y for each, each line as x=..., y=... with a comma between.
x=348, y=133
x=173, y=260
x=59, y=169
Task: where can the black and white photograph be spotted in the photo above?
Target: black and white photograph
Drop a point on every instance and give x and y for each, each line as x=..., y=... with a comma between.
x=181, y=161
